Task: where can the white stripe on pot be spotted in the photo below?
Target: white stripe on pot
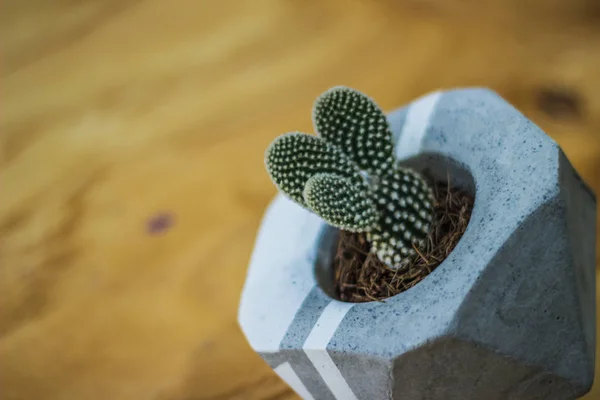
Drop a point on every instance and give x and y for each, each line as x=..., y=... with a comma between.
x=415, y=126
x=287, y=373
x=284, y=255
x=315, y=348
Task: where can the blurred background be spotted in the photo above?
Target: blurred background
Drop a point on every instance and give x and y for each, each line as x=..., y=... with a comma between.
x=131, y=175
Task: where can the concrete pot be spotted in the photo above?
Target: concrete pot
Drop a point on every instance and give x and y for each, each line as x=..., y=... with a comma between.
x=510, y=314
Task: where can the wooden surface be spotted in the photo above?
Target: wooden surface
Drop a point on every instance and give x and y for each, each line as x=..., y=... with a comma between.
x=119, y=111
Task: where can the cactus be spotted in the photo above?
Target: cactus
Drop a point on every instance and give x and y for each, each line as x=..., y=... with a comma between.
x=340, y=203
x=348, y=176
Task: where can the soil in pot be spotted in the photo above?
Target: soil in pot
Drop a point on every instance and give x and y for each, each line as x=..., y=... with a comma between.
x=359, y=276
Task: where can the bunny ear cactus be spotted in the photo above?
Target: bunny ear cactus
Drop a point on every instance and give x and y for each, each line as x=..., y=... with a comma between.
x=340, y=202
x=348, y=175
x=354, y=123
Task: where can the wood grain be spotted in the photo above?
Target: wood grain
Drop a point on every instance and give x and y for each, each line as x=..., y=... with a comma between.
x=116, y=111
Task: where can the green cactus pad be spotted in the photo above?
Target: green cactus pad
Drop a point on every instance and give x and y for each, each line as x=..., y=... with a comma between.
x=292, y=159
x=405, y=206
x=340, y=203
x=355, y=123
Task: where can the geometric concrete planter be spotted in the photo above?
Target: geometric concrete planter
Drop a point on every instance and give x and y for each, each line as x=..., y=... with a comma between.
x=510, y=314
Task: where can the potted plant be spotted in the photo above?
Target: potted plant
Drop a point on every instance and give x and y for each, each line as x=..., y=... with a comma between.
x=445, y=251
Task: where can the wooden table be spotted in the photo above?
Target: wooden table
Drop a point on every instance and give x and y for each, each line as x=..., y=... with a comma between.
x=131, y=176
